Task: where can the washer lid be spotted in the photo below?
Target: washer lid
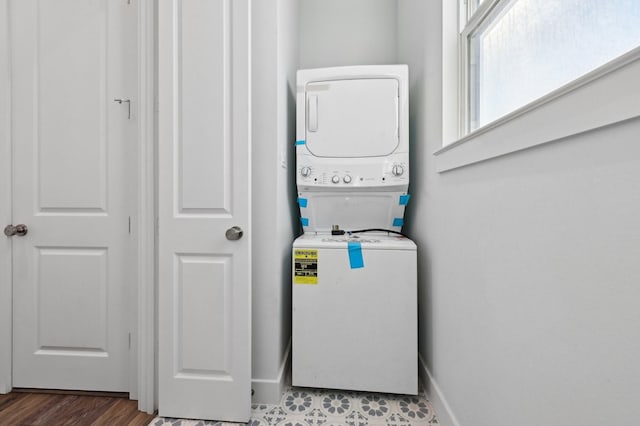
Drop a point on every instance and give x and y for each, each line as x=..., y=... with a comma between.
x=368, y=241
x=352, y=118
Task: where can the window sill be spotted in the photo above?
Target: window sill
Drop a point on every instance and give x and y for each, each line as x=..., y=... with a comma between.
x=605, y=96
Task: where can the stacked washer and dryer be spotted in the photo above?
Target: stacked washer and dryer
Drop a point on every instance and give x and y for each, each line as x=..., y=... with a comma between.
x=354, y=296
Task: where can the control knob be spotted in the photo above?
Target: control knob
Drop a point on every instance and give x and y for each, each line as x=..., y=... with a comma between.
x=346, y=179
x=335, y=179
x=397, y=170
x=305, y=171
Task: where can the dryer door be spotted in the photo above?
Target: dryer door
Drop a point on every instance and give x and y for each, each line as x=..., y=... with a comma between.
x=352, y=118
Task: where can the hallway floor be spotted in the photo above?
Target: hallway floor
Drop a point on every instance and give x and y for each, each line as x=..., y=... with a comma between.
x=39, y=407
x=311, y=407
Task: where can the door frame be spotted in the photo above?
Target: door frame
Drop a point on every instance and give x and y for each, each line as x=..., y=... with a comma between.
x=143, y=358
x=146, y=208
x=6, y=296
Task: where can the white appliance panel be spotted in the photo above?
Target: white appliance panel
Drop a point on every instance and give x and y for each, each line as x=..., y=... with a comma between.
x=390, y=173
x=351, y=211
x=356, y=329
x=353, y=118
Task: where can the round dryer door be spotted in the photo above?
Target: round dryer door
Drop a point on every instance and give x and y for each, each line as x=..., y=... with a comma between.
x=352, y=118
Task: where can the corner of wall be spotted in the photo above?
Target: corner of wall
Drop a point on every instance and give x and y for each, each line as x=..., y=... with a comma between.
x=270, y=391
x=435, y=396
x=275, y=61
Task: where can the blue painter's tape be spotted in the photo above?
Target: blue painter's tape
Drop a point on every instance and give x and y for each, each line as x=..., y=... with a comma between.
x=398, y=221
x=404, y=199
x=302, y=202
x=355, y=255
x=305, y=221
x=301, y=142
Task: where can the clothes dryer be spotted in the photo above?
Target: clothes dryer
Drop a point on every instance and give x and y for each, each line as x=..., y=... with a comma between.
x=352, y=147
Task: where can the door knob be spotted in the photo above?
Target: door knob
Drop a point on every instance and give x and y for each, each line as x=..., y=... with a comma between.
x=19, y=230
x=234, y=233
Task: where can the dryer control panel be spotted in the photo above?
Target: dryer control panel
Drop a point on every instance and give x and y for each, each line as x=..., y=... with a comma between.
x=385, y=173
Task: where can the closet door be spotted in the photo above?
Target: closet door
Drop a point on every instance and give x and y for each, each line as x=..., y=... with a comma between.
x=71, y=159
x=204, y=205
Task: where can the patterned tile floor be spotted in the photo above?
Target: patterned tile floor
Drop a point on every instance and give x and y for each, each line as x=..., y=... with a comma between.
x=311, y=407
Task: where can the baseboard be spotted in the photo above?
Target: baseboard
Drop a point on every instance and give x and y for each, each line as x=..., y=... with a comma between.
x=270, y=391
x=435, y=396
x=4, y=388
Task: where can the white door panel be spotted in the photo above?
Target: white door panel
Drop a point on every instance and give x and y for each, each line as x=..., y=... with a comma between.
x=203, y=99
x=71, y=58
x=204, y=278
x=352, y=118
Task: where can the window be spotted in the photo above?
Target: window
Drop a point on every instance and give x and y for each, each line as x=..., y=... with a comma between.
x=516, y=51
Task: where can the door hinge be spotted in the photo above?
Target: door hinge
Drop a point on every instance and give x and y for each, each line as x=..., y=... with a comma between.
x=129, y=340
x=129, y=224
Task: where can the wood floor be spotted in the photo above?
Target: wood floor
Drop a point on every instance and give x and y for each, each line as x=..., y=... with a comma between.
x=19, y=408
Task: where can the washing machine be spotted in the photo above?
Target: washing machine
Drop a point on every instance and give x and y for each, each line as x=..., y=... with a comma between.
x=354, y=289
x=354, y=313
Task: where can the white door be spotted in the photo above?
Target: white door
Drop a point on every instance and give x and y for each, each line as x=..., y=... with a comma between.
x=71, y=147
x=204, y=169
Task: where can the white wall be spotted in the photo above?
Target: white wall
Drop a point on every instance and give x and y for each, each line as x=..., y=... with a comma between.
x=274, y=215
x=288, y=225
x=347, y=32
x=528, y=265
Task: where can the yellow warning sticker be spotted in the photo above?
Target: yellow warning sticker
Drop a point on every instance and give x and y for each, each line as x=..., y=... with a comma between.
x=305, y=266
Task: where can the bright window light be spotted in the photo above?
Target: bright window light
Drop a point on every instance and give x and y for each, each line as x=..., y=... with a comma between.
x=521, y=50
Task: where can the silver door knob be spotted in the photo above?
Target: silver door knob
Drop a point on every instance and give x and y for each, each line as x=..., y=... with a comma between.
x=19, y=230
x=234, y=233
